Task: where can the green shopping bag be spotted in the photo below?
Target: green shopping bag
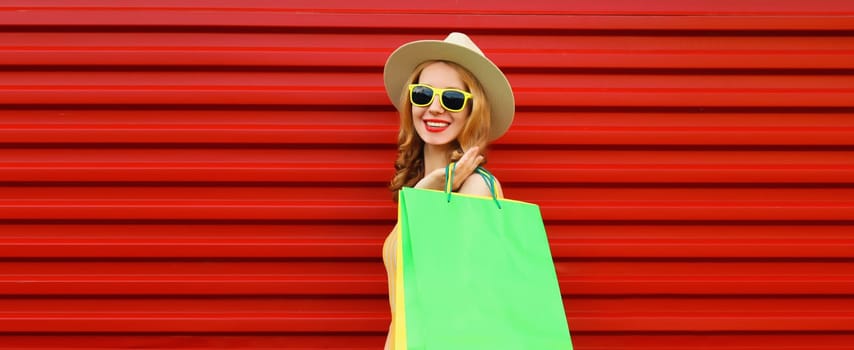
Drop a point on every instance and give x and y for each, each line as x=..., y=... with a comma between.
x=476, y=272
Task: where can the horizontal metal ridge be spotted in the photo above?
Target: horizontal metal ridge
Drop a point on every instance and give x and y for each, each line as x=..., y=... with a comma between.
x=597, y=280
x=385, y=135
x=86, y=172
x=306, y=322
x=753, y=16
x=369, y=248
x=279, y=96
x=330, y=58
x=617, y=340
x=613, y=210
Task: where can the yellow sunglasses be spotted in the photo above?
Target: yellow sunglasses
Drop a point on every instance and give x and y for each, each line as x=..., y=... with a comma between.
x=453, y=100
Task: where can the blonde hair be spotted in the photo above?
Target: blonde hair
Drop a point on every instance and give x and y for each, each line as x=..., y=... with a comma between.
x=409, y=166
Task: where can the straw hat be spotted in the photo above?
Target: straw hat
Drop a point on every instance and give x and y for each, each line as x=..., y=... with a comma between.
x=457, y=48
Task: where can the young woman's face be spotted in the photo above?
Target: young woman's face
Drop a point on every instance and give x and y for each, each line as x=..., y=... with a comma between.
x=433, y=123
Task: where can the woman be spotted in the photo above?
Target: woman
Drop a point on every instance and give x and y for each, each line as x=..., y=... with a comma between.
x=452, y=101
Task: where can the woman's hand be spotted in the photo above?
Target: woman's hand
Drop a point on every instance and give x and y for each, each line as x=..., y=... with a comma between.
x=435, y=180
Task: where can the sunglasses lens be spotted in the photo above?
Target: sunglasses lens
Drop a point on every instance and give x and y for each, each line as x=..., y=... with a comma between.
x=453, y=100
x=421, y=95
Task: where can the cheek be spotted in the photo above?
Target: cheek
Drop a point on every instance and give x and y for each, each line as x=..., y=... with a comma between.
x=462, y=117
x=417, y=112
x=417, y=123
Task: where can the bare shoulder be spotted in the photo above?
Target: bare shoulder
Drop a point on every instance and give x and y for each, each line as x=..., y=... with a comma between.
x=476, y=185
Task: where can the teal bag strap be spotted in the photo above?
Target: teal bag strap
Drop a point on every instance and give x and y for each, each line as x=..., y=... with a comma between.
x=490, y=181
x=485, y=174
x=489, y=178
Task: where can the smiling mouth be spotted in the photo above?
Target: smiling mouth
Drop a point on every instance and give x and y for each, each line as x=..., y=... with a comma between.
x=436, y=126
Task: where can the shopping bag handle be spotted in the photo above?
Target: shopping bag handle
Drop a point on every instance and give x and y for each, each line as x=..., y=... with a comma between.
x=485, y=174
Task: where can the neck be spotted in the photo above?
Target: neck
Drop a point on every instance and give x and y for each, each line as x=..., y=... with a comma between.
x=436, y=157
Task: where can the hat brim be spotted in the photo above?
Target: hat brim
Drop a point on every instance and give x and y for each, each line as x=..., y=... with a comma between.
x=406, y=58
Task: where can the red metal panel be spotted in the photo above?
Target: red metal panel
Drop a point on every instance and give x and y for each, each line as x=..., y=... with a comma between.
x=187, y=175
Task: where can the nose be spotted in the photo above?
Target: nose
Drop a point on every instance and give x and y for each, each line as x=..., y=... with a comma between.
x=436, y=106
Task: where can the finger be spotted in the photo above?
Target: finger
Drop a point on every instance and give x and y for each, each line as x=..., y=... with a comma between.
x=472, y=163
x=472, y=152
x=468, y=154
x=466, y=165
x=472, y=156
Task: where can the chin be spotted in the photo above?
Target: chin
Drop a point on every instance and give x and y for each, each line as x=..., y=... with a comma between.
x=437, y=143
x=435, y=140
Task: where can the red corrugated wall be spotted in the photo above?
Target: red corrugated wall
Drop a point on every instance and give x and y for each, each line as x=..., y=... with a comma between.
x=211, y=174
